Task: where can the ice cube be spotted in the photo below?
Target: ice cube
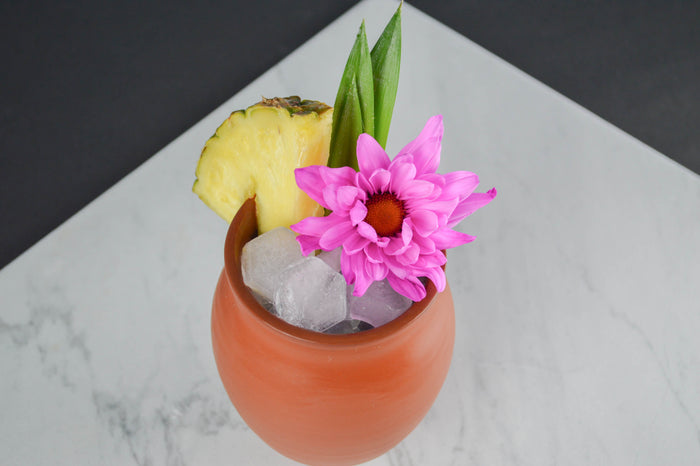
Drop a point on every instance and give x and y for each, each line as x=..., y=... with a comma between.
x=348, y=326
x=264, y=258
x=332, y=258
x=264, y=302
x=311, y=295
x=380, y=304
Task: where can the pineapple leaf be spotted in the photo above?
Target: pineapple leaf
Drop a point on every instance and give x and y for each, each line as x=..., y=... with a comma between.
x=347, y=127
x=354, y=104
x=386, y=61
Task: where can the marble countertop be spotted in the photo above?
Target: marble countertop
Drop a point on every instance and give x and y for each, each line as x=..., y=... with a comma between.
x=578, y=307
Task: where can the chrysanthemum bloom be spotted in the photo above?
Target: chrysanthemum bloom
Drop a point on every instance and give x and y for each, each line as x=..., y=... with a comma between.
x=393, y=218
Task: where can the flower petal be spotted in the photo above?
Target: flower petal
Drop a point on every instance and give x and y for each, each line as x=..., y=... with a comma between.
x=330, y=197
x=370, y=155
x=376, y=270
x=424, y=221
x=401, y=174
x=406, y=231
x=353, y=268
x=380, y=180
x=415, y=189
x=366, y=230
x=358, y=212
x=363, y=183
x=427, y=146
x=459, y=184
x=437, y=276
x=436, y=259
x=315, y=226
x=309, y=180
x=340, y=199
x=435, y=178
x=346, y=267
x=314, y=178
x=410, y=256
x=374, y=253
x=410, y=287
x=362, y=281
x=340, y=176
x=396, y=268
x=469, y=205
x=446, y=238
x=355, y=243
x=361, y=284
x=396, y=247
x=336, y=235
x=442, y=208
x=382, y=241
x=426, y=244
x=308, y=244
x=347, y=195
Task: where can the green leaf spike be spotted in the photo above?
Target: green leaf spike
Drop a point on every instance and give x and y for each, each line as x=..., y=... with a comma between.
x=353, y=112
x=386, y=61
x=367, y=93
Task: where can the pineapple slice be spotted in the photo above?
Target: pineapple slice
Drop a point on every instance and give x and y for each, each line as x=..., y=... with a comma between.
x=254, y=153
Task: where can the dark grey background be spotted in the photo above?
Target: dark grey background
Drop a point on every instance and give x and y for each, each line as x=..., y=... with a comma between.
x=89, y=90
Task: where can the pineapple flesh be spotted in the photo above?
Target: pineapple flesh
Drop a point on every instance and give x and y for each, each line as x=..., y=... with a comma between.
x=254, y=153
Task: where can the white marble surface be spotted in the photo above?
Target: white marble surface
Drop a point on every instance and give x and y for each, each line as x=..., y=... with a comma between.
x=578, y=308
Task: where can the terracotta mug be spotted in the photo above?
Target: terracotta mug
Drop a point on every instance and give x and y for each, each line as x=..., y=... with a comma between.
x=326, y=399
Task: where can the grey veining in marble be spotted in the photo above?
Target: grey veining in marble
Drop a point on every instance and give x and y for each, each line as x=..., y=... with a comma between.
x=578, y=307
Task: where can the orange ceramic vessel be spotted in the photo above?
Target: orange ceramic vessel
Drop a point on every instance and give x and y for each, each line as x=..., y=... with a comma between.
x=326, y=399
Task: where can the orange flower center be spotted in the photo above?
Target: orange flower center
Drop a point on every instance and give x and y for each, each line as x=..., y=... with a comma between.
x=385, y=212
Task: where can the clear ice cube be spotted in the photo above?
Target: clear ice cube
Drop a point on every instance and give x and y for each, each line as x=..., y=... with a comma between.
x=380, y=304
x=332, y=258
x=311, y=295
x=264, y=302
x=264, y=258
x=348, y=326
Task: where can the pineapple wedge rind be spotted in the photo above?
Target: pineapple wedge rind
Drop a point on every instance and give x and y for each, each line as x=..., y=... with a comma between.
x=254, y=153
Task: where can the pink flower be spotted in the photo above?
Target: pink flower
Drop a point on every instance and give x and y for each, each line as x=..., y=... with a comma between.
x=393, y=218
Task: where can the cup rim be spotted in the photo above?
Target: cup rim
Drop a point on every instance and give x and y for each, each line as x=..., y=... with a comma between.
x=242, y=229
